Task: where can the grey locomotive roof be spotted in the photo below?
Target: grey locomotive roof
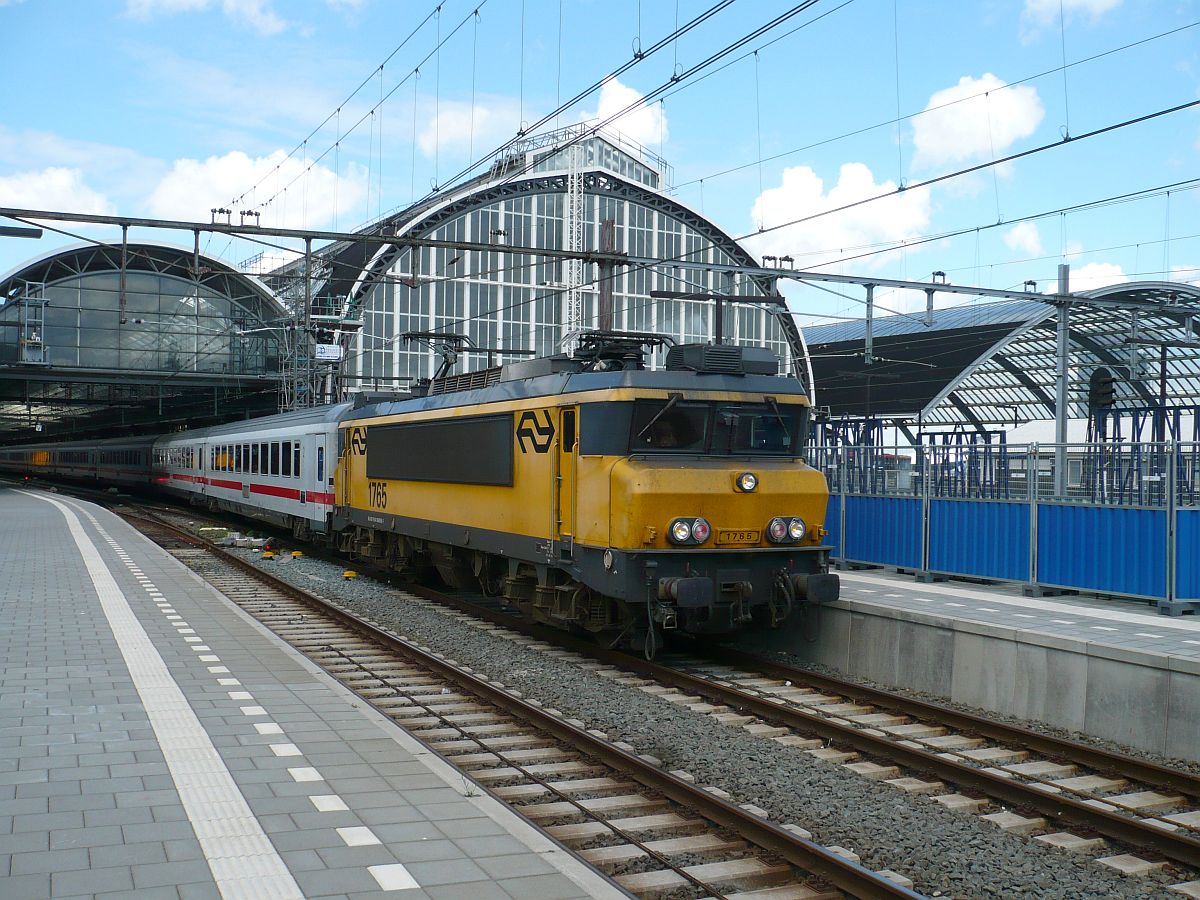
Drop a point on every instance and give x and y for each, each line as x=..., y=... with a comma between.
x=578, y=382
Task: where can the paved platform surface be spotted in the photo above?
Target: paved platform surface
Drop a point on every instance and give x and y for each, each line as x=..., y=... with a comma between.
x=1115, y=623
x=155, y=742
x=1114, y=669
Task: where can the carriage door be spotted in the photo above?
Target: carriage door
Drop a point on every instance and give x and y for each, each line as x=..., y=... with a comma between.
x=568, y=445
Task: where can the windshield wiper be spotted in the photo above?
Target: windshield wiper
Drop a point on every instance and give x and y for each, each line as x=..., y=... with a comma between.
x=787, y=435
x=675, y=398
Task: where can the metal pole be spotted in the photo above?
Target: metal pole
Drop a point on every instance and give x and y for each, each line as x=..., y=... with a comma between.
x=929, y=306
x=1064, y=367
x=1172, y=504
x=869, y=341
x=124, y=264
x=1032, y=463
x=302, y=347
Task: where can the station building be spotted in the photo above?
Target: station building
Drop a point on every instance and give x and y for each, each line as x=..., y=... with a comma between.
x=516, y=302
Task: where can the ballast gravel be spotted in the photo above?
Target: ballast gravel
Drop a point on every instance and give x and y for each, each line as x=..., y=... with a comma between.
x=946, y=854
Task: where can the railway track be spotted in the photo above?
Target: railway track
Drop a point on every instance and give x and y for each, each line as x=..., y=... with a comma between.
x=921, y=747
x=656, y=833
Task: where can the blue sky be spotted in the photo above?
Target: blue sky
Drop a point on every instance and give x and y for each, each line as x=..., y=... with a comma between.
x=168, y=108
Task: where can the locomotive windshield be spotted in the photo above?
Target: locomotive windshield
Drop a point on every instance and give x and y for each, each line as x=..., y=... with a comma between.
x=735, y=429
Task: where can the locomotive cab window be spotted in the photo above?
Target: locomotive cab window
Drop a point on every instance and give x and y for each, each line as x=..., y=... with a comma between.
x=725, y=429
x=671, y=426
x=768, y=429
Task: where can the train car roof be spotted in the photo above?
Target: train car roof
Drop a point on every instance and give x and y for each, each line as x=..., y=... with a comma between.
x=579, y=382
x=138, y=442
x=317, y=415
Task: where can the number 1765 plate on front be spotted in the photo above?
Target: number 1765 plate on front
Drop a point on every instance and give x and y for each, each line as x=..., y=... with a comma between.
x=726, y=536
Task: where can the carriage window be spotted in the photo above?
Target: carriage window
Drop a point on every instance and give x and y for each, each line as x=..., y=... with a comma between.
x=275, y=458
x=321, y=465
x=254, y=462
x=286, y=459
x=263, y=454
x=296, y=460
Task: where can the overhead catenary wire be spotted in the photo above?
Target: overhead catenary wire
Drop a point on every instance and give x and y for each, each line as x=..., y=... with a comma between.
x=900, y=119
x=236, y=201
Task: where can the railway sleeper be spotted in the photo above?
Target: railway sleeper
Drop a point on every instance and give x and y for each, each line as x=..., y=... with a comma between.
x=579, y=833
x=508, y=773
x=600, y=786
x=624, y=803
x=700, y=845
x=741, y=874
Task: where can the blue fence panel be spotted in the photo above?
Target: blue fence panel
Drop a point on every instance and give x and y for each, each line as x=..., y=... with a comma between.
x=1103, y=548
x=979, y=537
x=833, y=524
x=1187, y=554
x=883, y=530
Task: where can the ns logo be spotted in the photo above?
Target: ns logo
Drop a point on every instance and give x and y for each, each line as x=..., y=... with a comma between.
x=358, y=441
x=535, y=431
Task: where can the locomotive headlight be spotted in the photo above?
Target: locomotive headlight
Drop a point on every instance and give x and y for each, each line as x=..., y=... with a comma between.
x=700, y=531
x=681, y=531
x=796, y=529
x=777, y=530
x=747, y=482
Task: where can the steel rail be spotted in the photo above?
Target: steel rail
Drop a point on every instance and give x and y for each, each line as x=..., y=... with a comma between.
x=840, y=872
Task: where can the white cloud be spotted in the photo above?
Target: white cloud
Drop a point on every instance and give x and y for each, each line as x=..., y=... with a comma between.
x=801, y=193
x=495, y=119
x=193, y=187
x=1096, y=275
x=975, y=128
x=55, y=188
x=1039, y=15
x=1024, y=236
x=1185, y=274
x=646, y=124
x=256, y=15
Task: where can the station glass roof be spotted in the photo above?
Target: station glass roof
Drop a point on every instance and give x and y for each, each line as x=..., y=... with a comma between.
x=992, y=364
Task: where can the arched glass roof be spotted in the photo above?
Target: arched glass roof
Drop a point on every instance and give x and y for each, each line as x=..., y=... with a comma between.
x=94, y=332
x=996, y=363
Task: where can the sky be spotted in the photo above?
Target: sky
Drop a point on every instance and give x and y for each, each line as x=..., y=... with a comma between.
x=331, y=113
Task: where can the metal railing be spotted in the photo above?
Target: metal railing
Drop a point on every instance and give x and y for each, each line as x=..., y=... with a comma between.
x=1121, y=519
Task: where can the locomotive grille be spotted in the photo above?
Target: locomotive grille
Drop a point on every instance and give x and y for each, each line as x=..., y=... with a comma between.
x=467, y=381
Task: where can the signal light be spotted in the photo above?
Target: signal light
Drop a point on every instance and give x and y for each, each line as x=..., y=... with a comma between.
x=1102, y=389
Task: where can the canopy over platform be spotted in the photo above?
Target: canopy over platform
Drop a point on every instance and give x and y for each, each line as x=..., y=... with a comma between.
x=997, y=364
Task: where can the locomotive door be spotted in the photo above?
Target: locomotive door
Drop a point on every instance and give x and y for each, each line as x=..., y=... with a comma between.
x=568, y=428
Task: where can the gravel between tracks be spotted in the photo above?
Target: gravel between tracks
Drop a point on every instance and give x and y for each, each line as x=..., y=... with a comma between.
x=945, y=853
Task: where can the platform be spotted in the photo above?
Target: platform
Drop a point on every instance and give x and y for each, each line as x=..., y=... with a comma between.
x=157, y=742
x=1114, y=669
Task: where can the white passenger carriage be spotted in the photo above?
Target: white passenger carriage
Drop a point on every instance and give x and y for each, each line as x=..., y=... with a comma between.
x=278, y=468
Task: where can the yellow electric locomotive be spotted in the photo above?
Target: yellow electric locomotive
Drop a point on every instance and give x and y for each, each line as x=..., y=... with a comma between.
x=597, y=495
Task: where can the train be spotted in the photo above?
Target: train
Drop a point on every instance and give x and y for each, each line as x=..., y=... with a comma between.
x=592, y=493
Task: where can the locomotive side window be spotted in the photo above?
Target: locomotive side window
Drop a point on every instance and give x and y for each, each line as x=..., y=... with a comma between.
x=568, y=428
